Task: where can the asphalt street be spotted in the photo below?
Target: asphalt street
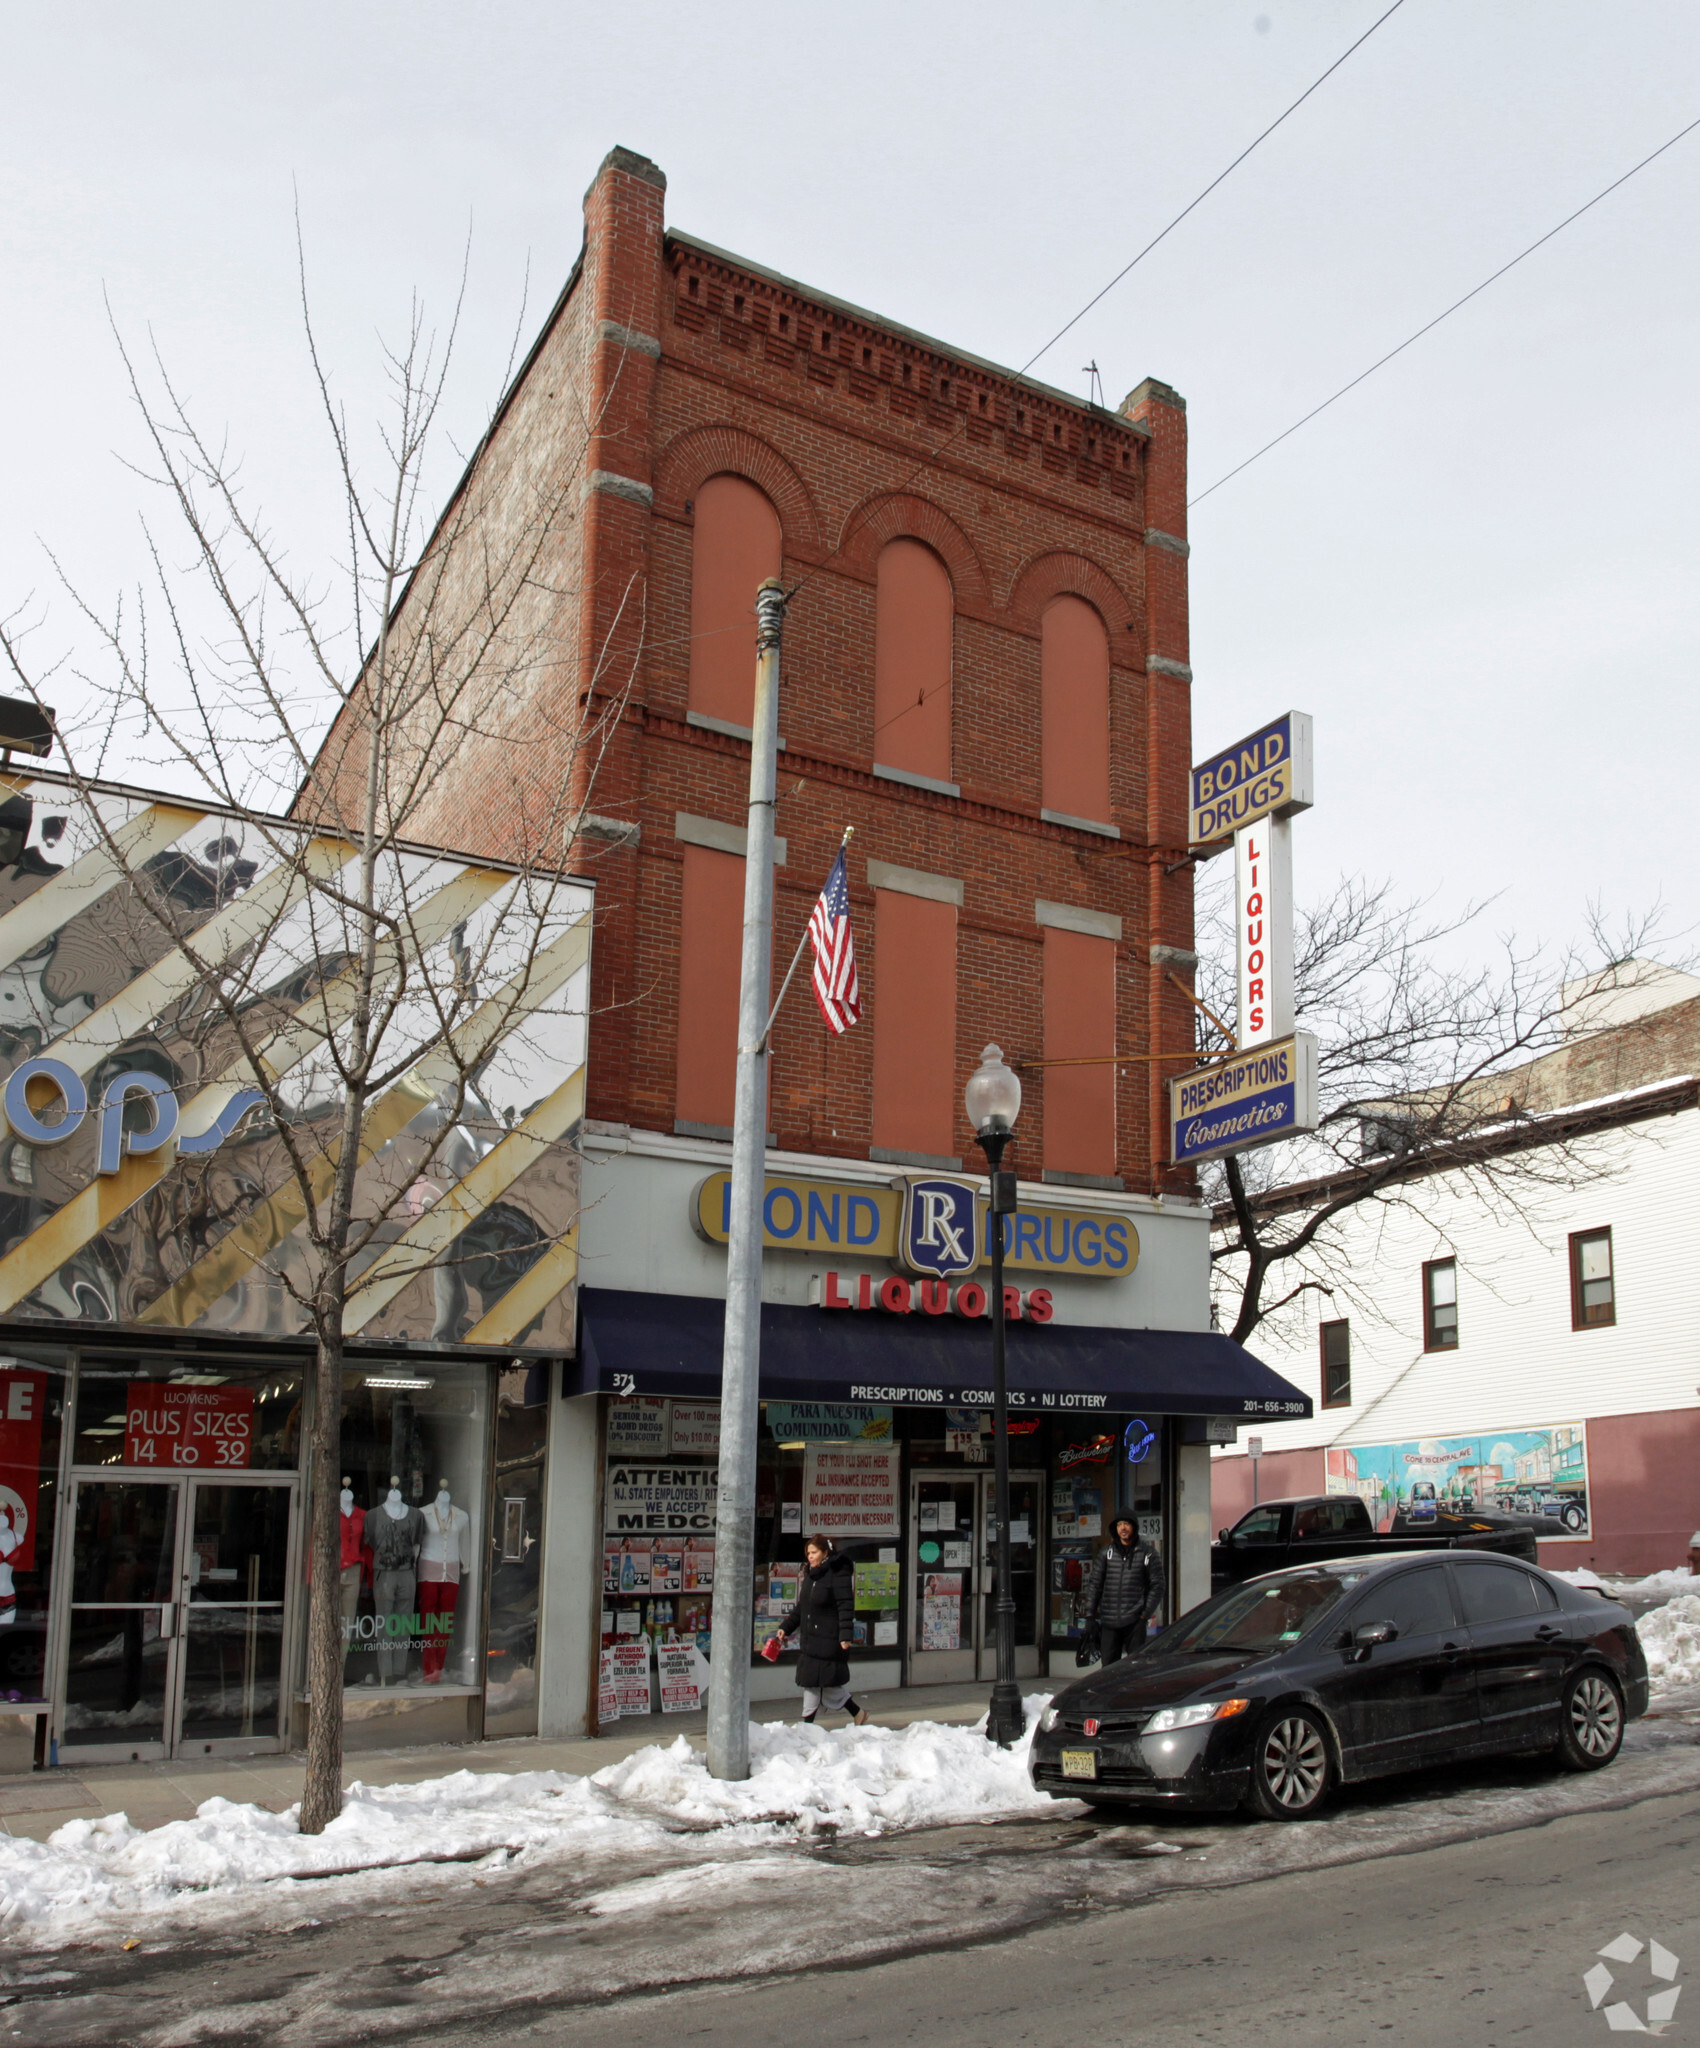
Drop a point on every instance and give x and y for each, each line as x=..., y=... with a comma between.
x=1478, y=1942
x=1461, y=1906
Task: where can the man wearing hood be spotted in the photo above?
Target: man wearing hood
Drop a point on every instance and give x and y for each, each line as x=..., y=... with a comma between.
x=1124, y=1592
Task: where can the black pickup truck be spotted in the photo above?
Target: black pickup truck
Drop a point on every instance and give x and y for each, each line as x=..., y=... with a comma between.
x=1322, y=1526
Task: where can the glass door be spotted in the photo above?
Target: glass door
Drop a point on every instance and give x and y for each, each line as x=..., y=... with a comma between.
x=944, y=1549
x=179, y=1595
x=235, y=1577
x=120, y=1661
x=1026, y=1509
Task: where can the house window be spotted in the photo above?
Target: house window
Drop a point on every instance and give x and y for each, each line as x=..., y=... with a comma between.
x=1337, y=1365
x=1440, y=1305
x=1593, y=1291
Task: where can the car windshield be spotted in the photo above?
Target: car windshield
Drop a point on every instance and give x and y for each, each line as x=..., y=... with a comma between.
x=1266, y=1615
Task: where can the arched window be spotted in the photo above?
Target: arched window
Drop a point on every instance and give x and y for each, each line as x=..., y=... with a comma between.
x=913, y=618
x=1074, y=718
x=736, y=544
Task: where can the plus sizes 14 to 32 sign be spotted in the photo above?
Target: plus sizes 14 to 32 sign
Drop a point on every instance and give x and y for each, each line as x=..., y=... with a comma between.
x=169, y=1424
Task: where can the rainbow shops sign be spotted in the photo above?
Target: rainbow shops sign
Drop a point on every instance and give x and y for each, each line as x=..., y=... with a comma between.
x=53, y=1078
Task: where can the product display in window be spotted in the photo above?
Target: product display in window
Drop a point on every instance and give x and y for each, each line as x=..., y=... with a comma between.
x=394, y=1533
x=356, y=1558
x=445, y=1557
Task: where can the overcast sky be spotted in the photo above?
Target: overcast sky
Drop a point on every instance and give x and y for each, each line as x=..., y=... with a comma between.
x=1477, y=572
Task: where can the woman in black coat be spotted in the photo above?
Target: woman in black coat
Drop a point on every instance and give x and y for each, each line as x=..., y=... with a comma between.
x=825, y=1613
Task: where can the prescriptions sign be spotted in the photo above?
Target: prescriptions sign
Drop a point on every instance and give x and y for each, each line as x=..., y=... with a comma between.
x=175, y=1426
x=1252, y=1098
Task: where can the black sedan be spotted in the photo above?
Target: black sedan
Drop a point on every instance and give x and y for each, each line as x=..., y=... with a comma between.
x=1276, y=1690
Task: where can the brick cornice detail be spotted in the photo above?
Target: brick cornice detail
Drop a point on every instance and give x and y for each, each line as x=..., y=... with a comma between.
x=687, y=463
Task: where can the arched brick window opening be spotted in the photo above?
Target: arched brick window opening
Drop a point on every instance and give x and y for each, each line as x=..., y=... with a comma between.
x=736, y=544
x=913, y=621
x=1074, y=686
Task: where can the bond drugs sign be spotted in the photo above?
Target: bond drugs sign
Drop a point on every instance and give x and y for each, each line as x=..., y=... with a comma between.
x=1265, y=775
x=1251, y=1099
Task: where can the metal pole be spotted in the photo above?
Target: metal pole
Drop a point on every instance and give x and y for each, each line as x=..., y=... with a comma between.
x=734, y=1534
x=1005, y=1720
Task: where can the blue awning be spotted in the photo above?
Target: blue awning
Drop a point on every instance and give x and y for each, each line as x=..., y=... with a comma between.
x=671, y=1343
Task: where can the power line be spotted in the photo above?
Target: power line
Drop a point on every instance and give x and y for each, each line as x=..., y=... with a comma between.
x=929, y=459
x=1429, y=326
x=1214, y=182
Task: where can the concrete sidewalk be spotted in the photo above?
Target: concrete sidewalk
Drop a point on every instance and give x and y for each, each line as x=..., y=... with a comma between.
x=153, y=1793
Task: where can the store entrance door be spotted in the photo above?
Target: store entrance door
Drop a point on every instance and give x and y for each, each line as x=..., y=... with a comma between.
x=953, y=1575
x=178, y=1603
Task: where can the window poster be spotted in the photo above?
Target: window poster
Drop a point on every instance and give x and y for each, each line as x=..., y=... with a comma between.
x=941, y=1625
x=634, y=1569
x=663, y=1499
x=827, y=1422
x=23, y=1402
x=667, y=1565
x=695, y=1429
x=630, y=1660
x=638, y=1424
x=850, y=1490
x=1505, y=1471
x=699, y=1566
x=876, y=1585
x=607, y=1697
x=676, y=1666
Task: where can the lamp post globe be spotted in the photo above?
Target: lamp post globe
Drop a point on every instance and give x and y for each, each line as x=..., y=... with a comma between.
x=993, y=1102
x=993, y=1095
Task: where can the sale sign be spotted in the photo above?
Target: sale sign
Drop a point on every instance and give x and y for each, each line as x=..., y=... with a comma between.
x=23, y=1401
x=169, y=1424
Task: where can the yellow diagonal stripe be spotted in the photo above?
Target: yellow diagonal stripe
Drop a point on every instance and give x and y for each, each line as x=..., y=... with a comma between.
x=526, y=1300
x=270, y=1222
x=470, y=1196
x=28, y=926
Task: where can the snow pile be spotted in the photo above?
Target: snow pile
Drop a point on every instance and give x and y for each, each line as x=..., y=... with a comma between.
x=1670, y=1635
x=864, y=1779
x=1584, y=1578
x=1681, y=1580
x=94, y=1873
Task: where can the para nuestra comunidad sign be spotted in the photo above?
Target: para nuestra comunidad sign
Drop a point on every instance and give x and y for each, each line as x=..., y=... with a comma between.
x=60, y=1086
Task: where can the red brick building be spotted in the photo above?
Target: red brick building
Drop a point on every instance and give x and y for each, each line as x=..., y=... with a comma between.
x=985, y=673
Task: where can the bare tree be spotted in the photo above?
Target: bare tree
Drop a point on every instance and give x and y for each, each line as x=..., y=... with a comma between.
x=1430, y=1072
x=378, y=1014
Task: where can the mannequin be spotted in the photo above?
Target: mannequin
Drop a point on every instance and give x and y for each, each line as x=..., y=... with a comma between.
x=352, y=1524
x=10, y=1540
x=393, y=1532
x=445, y=1556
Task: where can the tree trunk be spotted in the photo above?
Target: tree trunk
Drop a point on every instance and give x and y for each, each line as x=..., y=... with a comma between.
x=321, y=1795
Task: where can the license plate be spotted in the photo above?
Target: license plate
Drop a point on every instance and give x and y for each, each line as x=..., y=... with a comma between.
x=1080, y=1763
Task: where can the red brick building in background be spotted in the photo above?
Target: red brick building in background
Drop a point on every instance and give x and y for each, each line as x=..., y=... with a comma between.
x=985, y=673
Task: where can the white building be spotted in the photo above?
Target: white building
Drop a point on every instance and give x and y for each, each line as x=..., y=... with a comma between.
x=1541, y=1353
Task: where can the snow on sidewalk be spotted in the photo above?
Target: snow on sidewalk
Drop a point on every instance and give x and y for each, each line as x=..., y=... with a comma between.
x=94, y=1875
x=1670, y=1635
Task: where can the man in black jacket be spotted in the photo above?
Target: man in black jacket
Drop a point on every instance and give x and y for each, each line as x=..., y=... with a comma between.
x=1124, y=1592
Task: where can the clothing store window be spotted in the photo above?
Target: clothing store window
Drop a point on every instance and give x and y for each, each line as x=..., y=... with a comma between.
x=414, y=1526
x=187, y=1413
x=516, y=1550
x=33, y=1392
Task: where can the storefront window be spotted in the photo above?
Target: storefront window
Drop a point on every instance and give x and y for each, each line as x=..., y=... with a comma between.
x=415, y=1532
x=516, y=1550
x=1116, y=1465
x=33, y=1391
x=659, y=1502
x=187, y=1414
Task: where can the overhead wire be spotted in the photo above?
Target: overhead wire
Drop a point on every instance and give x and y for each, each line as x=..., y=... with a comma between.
x=1429, y=326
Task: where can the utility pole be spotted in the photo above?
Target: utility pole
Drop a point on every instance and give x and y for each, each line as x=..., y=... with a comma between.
x=740, y=1376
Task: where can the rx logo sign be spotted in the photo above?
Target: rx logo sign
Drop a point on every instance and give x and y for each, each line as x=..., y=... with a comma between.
x=939, y=1234
x=1621, y=2016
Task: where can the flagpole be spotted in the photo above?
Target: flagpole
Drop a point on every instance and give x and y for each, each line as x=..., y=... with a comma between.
x=785, y=985
x=740, y=1370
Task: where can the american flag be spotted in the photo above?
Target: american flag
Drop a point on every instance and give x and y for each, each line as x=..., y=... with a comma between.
x=835, y=951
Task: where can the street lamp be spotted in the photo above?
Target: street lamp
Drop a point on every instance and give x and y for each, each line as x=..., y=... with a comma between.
x=993, y=1101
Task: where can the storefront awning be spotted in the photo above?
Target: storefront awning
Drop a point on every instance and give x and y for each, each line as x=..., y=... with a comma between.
x=671, y=1343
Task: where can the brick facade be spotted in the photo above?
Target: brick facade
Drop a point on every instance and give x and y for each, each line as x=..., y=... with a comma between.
x=667, y=362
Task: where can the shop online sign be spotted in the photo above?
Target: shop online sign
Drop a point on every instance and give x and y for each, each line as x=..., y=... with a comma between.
x=931, y=1224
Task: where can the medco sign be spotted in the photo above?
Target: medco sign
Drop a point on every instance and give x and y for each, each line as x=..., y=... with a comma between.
x=113, y=1140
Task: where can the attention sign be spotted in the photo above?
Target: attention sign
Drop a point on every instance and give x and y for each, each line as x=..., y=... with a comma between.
x=1266, y=775
x=168, y=1423
x=1252, y=1098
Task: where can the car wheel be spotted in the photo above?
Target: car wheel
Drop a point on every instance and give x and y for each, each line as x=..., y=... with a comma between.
x=1590, y=1729
x=1291, y=1769
x=1573, y=1518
